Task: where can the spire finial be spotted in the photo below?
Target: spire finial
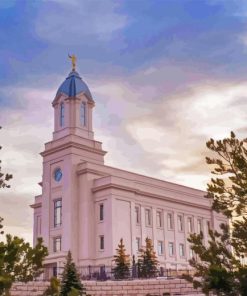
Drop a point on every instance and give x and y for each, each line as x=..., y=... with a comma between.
x=73, y=60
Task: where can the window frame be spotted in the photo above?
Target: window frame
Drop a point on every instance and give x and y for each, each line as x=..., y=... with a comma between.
x=182, y=222
x=55, y=208
x=181, y=250
x=171, y=247
x=55, y=239
x=160, y=250
x=83, y=114
x=101, y=243
x=62, y=115
x=191, y=253
x=208, y=226
x=159, y=213
x=137, y=215
x=138, y=244
x=101, y=212
x=190, y=225
x=199, y=222
x=148, y=222
x=170, y=226
x=38, y=225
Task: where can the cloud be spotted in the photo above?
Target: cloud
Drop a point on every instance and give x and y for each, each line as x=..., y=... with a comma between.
x=158, y=120
x=154, y=122
x=26, y=127
x=73, y=22
x=177, y=129
x=14, y=208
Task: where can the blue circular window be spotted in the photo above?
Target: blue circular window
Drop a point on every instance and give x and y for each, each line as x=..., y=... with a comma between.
x=58, y=174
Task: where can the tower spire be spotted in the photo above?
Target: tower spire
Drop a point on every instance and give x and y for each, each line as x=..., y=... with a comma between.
x=73, y=61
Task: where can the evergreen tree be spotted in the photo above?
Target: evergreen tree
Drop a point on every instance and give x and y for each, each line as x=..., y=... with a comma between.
x=54, y=288
x=148, y=261
x=71, y=278
x=218, y=268
x=74, y=292
x=134, y=267
x=122, y=269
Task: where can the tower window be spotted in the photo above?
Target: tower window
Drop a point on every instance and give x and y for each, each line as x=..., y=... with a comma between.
x=57, y=213
x=62, y=114
x=101, y=212
x=38, y=225
x=101, y=242
x=83, y=114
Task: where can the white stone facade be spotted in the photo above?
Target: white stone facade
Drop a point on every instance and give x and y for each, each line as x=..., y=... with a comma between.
x=87, y=206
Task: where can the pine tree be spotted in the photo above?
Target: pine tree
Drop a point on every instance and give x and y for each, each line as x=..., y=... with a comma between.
x=219, y=268
x=71, y=278
x=134, y=267
x=122, y=269
x=148, y=261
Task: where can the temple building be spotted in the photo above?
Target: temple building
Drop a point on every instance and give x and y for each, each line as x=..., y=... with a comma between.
x=87, y=206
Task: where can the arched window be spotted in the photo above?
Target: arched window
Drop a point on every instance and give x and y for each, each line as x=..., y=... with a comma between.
x=62, y=114
x=83, y=114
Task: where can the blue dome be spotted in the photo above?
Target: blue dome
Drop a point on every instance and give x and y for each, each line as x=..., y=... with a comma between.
x=74, y=85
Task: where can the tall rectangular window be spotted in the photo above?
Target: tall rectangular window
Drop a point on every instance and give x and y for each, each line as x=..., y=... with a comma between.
x=190, y=225
x=57, y=244
x=83, y=114
x=101, y=242
x=181, y=250
x=180, y=223
x=159, y=219
x=171, y=249
x=160, y=248
x=101, y=212
x=208, y=226
x=169, y=221
x=137, y=214
x=148, y=217
x=199, y=225
x=38, y=225
x=62, y=115
x=57, y=213
x=138, y=244
x=191, y=253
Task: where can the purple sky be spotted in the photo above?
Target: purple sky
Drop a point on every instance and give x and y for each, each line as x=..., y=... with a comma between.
x=165, y=75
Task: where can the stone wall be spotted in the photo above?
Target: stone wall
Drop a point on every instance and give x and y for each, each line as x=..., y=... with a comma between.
x=155, y=287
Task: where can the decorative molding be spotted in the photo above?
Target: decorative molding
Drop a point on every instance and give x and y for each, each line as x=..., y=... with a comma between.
x=73, y=145
x=148, y=194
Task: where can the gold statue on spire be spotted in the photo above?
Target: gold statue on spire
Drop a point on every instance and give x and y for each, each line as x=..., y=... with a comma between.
x=73, y=60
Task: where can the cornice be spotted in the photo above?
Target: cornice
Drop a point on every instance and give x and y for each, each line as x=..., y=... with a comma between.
x=92, y=171
x=36, y=205
x=148, y=194
x=66, y=98
x=74, y=145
